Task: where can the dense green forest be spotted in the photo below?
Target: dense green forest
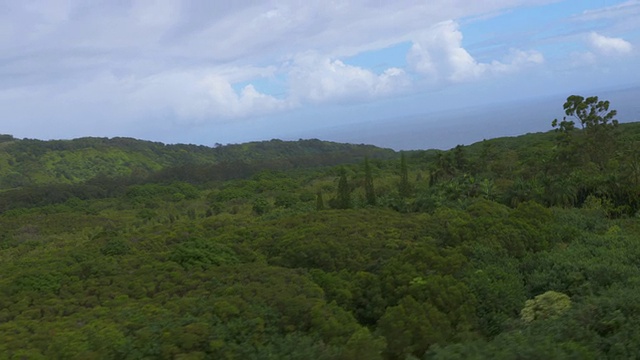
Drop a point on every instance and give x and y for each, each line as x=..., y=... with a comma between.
x=512, y=248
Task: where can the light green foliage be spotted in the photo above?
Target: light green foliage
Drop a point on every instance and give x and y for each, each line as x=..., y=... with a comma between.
x=545, y=306
x=34, y=162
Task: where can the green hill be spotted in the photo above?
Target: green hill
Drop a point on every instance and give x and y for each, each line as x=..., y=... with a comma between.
x=34, y=162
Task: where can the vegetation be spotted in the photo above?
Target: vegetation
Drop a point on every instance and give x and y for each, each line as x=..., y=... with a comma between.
x=523, y=247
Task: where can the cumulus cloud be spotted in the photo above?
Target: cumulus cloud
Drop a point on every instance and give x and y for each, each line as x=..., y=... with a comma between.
x=438, y=54
x=608, y=45
x=603, y=51
x=203, y=96
x=318, y=78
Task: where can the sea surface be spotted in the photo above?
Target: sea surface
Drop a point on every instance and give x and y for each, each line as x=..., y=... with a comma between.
x=446, y=129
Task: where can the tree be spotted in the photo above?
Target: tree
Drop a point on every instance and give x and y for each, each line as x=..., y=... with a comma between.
x=344, y=192
x=548, y=305
x=593, y=114
x=411, y=327
x=363, y=345
x=442, y=168
x=319, y=201
x=404, y=187
x=260, y=206
x=369, y=191
x=596, y=141
x=459, y=158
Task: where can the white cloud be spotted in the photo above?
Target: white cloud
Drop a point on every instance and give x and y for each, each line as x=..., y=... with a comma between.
x=109, y=104
x=603, y=52
x=217, y=32
x=204, y=96
x=438, y=54
x=155, y=13
x=318, y=78
x=609, y=45
x=619, y=11
x=335, y=28
x=579, y=59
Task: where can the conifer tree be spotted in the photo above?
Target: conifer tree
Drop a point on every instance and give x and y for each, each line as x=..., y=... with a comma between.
x=319, y=201
x=344, y=193
x=369, y=191
x=404, y=187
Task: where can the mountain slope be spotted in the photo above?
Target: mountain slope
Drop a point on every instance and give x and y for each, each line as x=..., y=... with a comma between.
x=34, y=162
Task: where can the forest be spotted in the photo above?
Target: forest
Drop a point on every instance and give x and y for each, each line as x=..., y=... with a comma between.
x=522, y=247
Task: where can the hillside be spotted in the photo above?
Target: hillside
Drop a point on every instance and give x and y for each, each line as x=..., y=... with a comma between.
x=34, y=162
x=524, y=247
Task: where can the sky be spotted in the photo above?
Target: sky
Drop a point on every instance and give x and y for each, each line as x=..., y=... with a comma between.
x=209, y=71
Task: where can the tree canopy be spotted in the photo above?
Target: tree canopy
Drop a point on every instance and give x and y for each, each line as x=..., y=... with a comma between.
x=507, y=248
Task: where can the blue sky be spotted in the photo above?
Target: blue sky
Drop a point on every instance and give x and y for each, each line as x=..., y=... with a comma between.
x=210, y=72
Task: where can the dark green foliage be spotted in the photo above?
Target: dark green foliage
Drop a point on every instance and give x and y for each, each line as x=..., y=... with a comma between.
x=261, y=206
x=370, y=193
x=115, y=246
x=411, y=327
x=460, y=159
x=514, y=346
x=343, y=195
x=285, y=200
x=500, y=294
x=404, y=187
x=202, y=253
x=319, y=201
x=596, y=142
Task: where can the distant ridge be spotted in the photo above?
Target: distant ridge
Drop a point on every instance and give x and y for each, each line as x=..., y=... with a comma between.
x=32, y=162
